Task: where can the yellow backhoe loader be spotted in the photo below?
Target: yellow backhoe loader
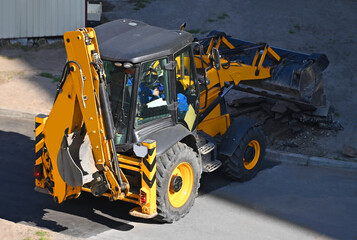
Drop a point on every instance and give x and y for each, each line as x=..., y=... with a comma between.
x=140, y=116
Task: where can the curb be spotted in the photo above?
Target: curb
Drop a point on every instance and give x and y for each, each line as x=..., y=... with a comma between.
x=271, y=155
x=303, y=160
x=16, y=114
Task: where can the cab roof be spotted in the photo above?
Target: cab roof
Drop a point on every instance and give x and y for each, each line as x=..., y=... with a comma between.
x=135, y=41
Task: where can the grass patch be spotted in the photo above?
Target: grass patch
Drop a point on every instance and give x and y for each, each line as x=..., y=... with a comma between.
x=56, y=79
x=347, y=54
x=311, y=48
x=43, y=238
x=46, y=75
x=223, y=16
x=50, y=76
x=139, y=4
x=13, y=57
x=204, y=32
x=333, y=40
x=194, y=31
x=41, y=233
x=297, y=27
x=218, y=18
x=27, y=238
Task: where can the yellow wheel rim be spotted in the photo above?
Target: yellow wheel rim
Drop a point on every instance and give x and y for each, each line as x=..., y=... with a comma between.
x=178, y=195
x=251, y=163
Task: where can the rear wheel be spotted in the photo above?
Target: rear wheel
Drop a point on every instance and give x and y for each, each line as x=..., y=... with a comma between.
x=178, y=174
x=248, y=156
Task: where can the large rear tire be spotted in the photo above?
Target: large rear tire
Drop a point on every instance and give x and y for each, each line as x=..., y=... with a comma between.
x=178, y=179
x=248, y=156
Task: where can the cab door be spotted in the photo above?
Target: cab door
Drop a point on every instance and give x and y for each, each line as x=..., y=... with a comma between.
x=187, y=95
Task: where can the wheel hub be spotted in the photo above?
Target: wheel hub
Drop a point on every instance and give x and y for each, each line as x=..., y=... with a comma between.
x=180, y=185
x=249, y=154
x=176, y=183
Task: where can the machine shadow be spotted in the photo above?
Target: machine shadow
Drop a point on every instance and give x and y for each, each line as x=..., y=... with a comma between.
x=20, y=203
x=217, y=179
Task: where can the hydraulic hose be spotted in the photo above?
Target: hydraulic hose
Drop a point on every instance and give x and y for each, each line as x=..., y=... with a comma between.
x=108, y=119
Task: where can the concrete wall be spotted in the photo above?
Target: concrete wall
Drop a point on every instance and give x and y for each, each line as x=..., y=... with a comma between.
x=40, y=18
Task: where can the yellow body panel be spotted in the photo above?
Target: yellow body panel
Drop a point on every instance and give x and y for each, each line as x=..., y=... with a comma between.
x=215, y=126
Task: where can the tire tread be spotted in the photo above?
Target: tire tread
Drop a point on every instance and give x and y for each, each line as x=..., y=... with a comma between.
x=165, y=162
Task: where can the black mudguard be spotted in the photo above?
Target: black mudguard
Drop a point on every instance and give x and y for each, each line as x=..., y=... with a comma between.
x=234, y=134
x=167, y=137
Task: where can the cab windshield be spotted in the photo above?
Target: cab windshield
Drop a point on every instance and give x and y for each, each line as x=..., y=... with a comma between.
x=119, y=88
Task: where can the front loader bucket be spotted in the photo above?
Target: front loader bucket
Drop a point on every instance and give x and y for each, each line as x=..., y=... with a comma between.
x=297, y=77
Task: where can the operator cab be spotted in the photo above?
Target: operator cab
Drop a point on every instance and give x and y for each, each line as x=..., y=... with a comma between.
x=151, y=79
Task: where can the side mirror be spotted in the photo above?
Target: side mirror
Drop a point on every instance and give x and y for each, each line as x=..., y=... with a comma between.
x=171, y=65
x=203, y=79
x=197, y=48
x=216, y=58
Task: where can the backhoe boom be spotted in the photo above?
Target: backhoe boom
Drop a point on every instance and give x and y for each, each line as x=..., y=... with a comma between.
x=78, y=112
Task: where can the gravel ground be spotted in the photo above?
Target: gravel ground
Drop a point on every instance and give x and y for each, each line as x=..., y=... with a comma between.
x=19, y=231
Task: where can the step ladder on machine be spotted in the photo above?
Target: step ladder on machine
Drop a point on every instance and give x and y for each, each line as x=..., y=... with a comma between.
x=211, y=165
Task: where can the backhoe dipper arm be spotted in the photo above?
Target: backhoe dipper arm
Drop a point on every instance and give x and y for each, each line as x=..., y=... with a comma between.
x=79, y=106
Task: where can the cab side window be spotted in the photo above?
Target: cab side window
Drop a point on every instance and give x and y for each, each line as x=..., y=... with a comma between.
x=185, y=88
x=153, y=93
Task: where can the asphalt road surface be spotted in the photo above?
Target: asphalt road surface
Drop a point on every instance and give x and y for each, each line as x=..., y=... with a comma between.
x=282, y=202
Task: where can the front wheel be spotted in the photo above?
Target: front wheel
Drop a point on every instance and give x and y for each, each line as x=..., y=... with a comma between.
x=246, y=160
x=178, y=175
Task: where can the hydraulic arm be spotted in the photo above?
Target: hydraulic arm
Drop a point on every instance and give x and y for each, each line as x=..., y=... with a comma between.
x=78, y=133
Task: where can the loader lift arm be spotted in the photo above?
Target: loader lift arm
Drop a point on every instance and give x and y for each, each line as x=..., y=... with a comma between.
x=221, y=70
x=240, y=71
x=263, y=70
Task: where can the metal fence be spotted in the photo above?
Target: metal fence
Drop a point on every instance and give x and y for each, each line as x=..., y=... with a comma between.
x=40, y=18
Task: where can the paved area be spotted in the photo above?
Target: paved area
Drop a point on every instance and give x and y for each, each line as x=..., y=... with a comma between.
x=282, y=202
